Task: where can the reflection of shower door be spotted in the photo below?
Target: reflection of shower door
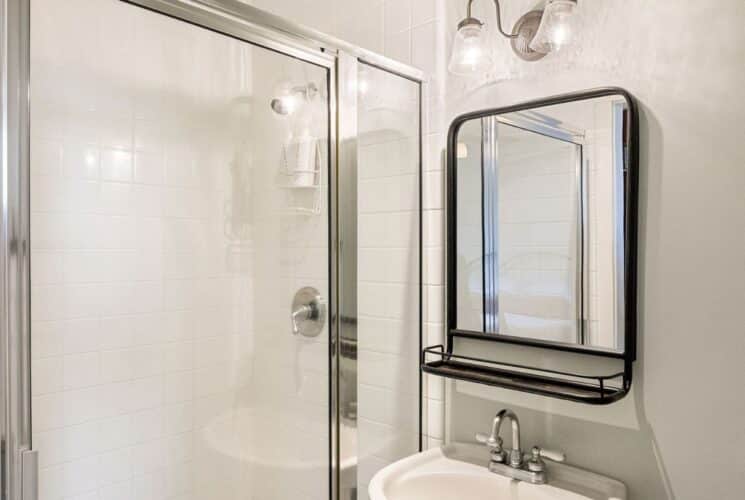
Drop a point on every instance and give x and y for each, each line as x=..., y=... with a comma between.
x=173, y=217
x=534, y=254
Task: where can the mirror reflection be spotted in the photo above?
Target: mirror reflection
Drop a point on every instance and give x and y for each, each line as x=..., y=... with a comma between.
x=539, y=223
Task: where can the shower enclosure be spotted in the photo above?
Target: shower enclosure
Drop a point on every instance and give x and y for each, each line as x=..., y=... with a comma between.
x=211, y=255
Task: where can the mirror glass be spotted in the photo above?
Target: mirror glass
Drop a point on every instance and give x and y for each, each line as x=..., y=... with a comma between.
x=539, y=223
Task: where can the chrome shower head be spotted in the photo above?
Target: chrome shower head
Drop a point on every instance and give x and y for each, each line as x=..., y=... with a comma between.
x=291, y=98
x=281, y=106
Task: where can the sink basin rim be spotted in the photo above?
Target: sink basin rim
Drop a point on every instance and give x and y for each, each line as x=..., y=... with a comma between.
x=466, y=459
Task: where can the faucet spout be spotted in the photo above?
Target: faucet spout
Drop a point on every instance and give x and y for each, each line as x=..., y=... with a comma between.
x=517, y=467
x=516, y=456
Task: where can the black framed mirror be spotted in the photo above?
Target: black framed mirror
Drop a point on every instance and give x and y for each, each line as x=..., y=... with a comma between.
x=542, y=225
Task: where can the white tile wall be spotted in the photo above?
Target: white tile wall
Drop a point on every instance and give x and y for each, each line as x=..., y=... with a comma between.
x=124, y=225
x=414, y=32
x=156, y=211
x=388, y=272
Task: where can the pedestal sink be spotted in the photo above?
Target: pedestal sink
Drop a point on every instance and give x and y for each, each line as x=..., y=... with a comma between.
x=458, y=472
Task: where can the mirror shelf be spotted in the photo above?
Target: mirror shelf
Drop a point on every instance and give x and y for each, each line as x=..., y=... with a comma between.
x=577, y=387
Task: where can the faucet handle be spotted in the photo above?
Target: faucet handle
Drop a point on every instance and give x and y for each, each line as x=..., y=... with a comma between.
x=554, y=456
x=489, y=441
x=536, y=463
x=497, y=454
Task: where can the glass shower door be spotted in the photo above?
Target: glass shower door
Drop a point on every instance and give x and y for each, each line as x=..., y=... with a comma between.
x=179, y=200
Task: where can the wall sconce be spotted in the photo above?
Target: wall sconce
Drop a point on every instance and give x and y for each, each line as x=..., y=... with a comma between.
x=534, y=35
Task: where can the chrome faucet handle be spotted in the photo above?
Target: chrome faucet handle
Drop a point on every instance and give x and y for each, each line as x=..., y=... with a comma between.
x=536, y=463
x=497, y=453
x=302, y=313
x=554, y=456
x=488, y=440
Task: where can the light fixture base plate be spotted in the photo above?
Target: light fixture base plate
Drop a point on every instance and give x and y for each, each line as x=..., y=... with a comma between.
x=525, y=28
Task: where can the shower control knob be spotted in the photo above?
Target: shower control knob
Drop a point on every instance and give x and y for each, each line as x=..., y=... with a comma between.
x=308, y=313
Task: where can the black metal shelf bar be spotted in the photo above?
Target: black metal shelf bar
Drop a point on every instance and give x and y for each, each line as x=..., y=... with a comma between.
x=593, y=389
x=440, y=350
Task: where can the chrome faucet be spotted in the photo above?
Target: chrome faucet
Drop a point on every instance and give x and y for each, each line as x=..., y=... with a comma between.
x=530, y=468
x=495, y=442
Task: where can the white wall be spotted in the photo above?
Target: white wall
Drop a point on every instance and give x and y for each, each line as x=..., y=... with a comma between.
x=388, y=272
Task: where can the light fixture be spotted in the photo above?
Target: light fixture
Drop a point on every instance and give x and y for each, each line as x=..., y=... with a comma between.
x=556, y=29
x=472, y=52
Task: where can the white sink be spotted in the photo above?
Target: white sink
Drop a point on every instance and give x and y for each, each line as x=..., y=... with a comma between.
x=459, y=472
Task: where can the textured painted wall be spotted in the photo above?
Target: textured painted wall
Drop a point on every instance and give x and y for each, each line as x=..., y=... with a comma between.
x=683, y=62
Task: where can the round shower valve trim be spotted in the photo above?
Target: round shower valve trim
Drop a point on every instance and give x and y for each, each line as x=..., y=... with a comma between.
x=308, y=313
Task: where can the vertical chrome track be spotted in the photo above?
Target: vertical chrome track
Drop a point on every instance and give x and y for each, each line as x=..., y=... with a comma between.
x=18, y=462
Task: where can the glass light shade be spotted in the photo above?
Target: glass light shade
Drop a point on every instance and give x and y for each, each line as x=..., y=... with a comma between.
x=471, y=52
x=557, y=27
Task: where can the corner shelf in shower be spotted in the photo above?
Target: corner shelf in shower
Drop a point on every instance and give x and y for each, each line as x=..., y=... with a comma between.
x=581, y=388
x=315, y=189
x=315, y=186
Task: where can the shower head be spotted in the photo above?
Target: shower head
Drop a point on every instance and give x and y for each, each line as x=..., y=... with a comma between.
x=284, y=105
x=291, y=98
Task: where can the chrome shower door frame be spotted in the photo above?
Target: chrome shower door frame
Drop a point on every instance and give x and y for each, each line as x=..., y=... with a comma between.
x=17, y=460
x=348, y=147
x=229, y=17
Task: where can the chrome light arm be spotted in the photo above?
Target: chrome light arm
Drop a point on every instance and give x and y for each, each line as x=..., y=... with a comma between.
x=499, y=18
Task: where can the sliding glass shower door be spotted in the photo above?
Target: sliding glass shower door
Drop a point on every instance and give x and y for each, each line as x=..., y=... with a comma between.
x=179, y=192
